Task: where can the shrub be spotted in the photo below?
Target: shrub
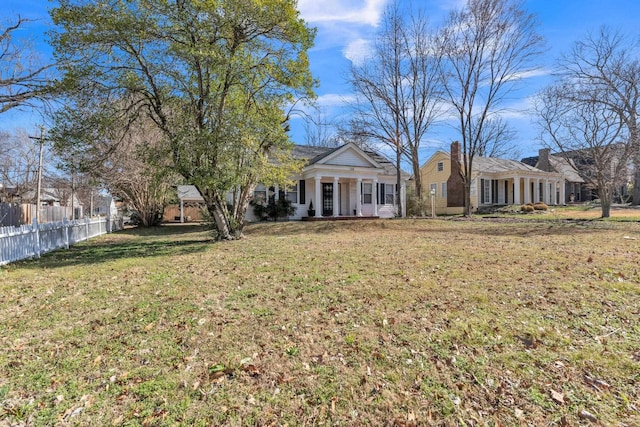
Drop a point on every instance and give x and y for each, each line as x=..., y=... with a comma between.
x=418, y=206
x=540, y=206
x=526, y=208
x=274, y=209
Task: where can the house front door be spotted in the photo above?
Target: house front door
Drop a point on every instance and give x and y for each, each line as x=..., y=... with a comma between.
x=327, y=199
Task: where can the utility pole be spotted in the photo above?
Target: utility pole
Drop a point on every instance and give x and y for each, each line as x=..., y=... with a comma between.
x=39, y=187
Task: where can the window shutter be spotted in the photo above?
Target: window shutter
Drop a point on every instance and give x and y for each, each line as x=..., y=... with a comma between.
x=301, y=191
x=381, y=193
x=377, y=192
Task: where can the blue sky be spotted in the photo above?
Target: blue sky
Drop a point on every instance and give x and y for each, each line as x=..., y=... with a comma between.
x=346, y=27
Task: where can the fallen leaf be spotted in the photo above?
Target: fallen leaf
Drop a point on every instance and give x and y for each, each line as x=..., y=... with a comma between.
x=586, y=415
x=557, y=397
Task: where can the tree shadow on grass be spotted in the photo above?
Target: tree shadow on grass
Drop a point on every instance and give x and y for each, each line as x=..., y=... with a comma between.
x=128, y=244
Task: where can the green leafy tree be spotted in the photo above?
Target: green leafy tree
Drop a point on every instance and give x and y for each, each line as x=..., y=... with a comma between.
x=213, y=76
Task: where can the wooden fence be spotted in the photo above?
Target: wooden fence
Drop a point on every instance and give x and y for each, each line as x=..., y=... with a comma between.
x=30, y=241
x=16, y=214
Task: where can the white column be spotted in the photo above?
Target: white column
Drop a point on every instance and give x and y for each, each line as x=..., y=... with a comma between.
x=276, y=192
x=336, y=199
x=546, y=197
x=374, y=197
x=527, y=191
x=359, y=197
x=536, y=190
x=403, y=199
x=318, y=197
x=516, y=191
x=563, y=196
x=181, y=210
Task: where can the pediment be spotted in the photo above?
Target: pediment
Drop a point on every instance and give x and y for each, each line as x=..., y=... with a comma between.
x=349, y=155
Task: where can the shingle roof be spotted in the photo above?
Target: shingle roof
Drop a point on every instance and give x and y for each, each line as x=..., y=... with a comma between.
x=559, y=164
x=315, y=154
x=311, y=153
x=189, y=192
x=495, y=165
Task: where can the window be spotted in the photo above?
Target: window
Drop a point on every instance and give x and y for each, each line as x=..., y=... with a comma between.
x=292, y=193
x=389, y=194
x=260, y=193
x=485, y=196
x=443, y=192
x=433, y=189
x=367, y=190
x=440, y=166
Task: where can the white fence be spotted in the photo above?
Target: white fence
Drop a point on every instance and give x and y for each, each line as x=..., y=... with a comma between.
x=29, y=241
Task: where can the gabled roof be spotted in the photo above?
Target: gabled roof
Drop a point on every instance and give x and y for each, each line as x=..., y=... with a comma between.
x=492, y=164
x=558, y=164
x=563, y=167
x=496, y=165
x=322, y=155
x=189, y=193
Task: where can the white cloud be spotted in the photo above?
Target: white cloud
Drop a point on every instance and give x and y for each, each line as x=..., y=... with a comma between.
x=352, y=11
x=334, y=100
x=357, y=50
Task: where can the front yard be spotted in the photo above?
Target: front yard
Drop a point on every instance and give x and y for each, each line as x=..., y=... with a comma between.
x=412, y=322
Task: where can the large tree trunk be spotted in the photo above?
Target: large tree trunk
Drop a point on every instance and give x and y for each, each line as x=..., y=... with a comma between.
x=398, y=182
x=467, y=199
x=217, y=208
x=417, y=176
x=636, y=183
x=605, y=193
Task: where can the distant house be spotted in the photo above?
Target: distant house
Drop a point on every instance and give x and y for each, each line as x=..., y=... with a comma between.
x=344, y=181
x=571, y=165
x=495, y=182
x=575, y=188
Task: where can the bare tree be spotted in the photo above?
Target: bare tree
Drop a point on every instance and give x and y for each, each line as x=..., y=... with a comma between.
x=23, y=78
x=486, y=47
x=397, y=89
x=19, y=157
x=587, y=134
x=319, y=130
x=133, y=175
x=606, y=65
x=128, y=156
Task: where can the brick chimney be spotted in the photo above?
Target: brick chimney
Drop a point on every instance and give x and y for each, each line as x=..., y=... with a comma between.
x=543, y=160
x=455, y=186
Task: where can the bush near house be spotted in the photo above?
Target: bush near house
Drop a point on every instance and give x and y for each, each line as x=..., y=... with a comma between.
x=527, y=208
x=274, y=209
x=540, y=206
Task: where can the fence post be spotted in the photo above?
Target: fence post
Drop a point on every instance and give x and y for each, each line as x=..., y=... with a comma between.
x=65, y=230
x=109, y=225
x=36, y=237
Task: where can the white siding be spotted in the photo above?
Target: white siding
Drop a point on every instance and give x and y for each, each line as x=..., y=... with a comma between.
x=349, y=158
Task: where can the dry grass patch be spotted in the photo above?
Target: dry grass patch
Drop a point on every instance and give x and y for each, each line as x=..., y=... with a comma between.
x=328, y=323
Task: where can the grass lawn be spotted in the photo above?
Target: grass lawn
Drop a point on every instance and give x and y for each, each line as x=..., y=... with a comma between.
x=392, y=323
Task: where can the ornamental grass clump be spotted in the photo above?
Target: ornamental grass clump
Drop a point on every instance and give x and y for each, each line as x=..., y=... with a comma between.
x=526, y=208
x=540, y=206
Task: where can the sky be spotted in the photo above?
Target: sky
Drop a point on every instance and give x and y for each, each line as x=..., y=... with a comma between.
x=345, y=30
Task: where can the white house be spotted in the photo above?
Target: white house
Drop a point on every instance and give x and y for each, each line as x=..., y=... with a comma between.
x=340, y=182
